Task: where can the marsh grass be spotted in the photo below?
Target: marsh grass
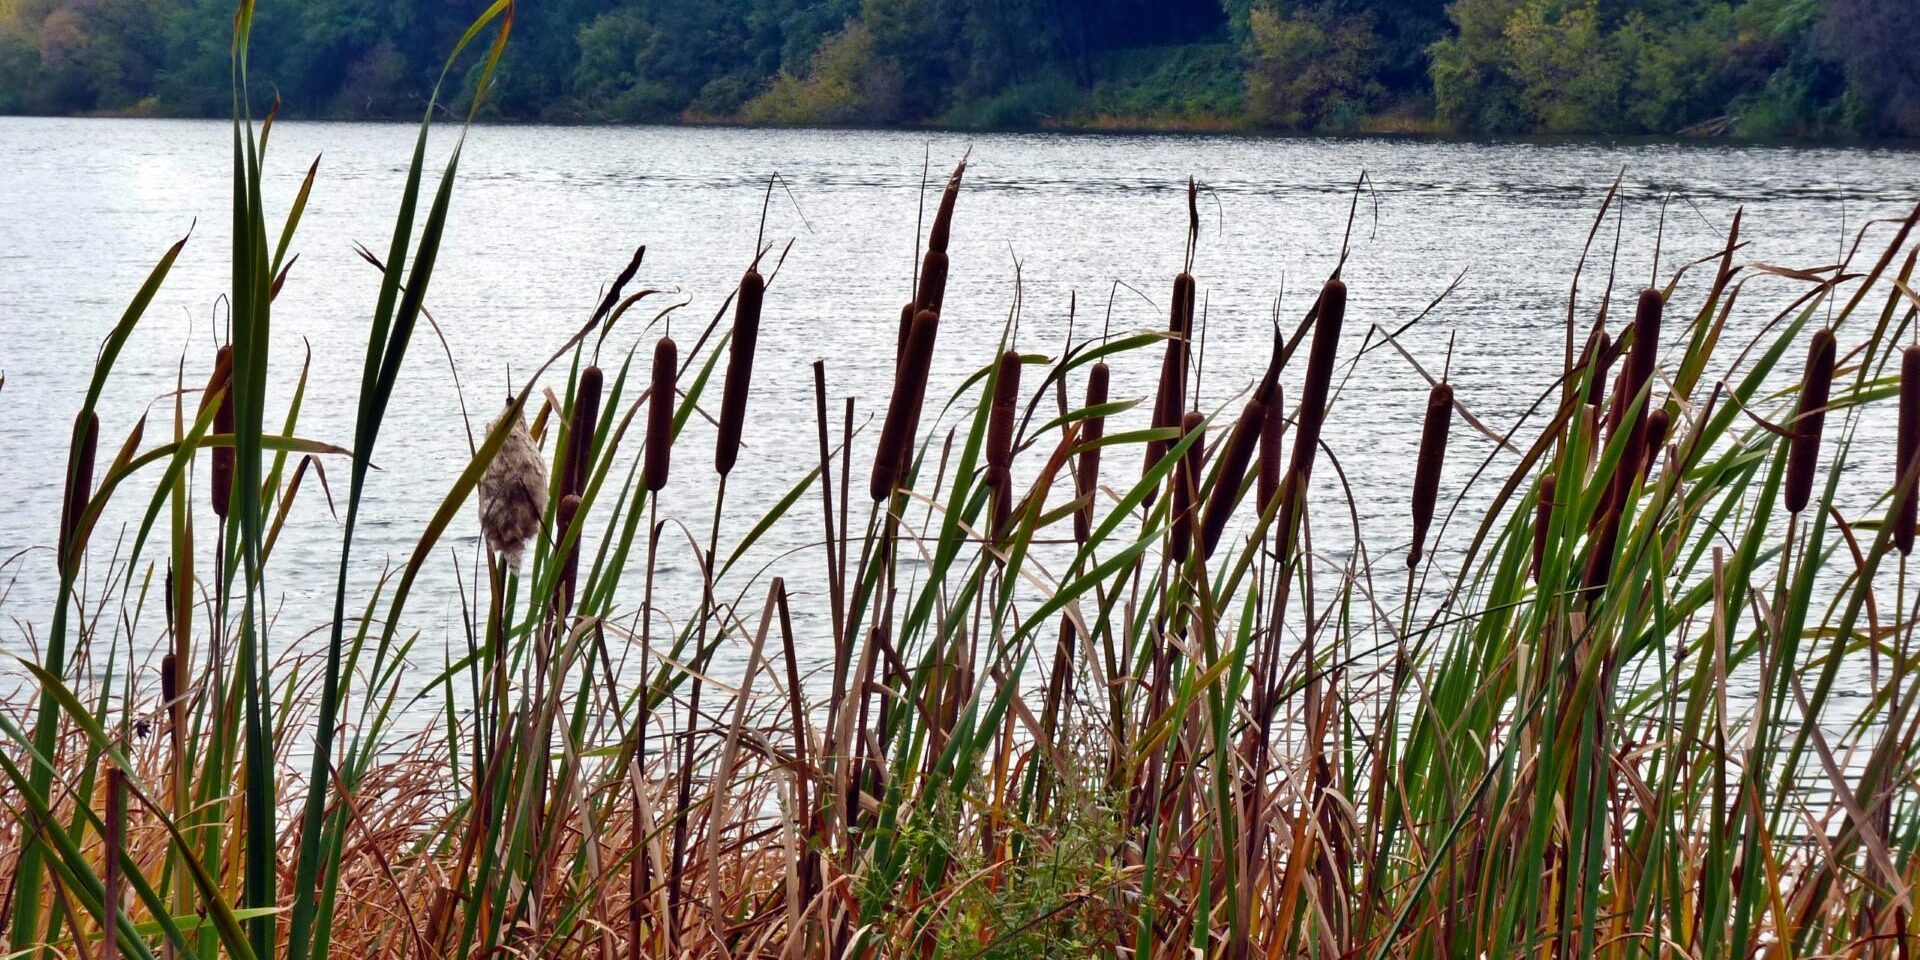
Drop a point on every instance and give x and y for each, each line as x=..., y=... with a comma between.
x=1130, y=748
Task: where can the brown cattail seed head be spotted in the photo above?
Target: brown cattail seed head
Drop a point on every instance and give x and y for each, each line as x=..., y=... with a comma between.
x=1006, y=396
x=907, y=310
x=733, y=402
x=1235, y=458
x=580, y=430
x=221, y=478
x=1658, y=423
x=1599, y=358
x=1600, y=562
x=513, y=492
x=1273, y=428
x=1543, y=522
x=1087, y=478
x=1426, y=472
x=903, y=413
x=1908, y=448
x=659, y=449
x=932, y=293
x=943, y=217
x=1170, y=402
x=86, y=445
x=1313, y=395
x=1186, y=483
x=1803, y=451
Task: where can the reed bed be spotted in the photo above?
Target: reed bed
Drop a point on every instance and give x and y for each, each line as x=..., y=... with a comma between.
x=1068, y=713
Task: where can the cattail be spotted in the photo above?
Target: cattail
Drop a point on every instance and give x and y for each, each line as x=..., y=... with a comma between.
x=1598, y=359
x=564, y=517
x=1273, y=429
x=1186, y=481
x=1235, y=458
x=1543, y=522
x=1646, y=340
x=1313, y=395
x=223, y=457
x=907, y=311
x=943, y=217
x=1091, y=430
x=1426, y=472
x=659, y=449
x=586, y=419
x=1617, y=404
x=1658, y=423
x=513, y=492
x=733, y=402
x=903, y=413
x=1170, y=402
x=86, y=444
x=1803, y=451
x=932, y=293
x=1600, y=562
x=1006, y=396
x=1908, y=447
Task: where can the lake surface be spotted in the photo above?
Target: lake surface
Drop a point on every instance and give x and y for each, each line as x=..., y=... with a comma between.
x=543, y=217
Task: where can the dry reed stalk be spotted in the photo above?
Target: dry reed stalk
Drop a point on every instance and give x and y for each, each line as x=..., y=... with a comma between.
x=903, y=414
x=1235, y=458
x=586, y=419
x=221, y=477
x=1543, y=522
x=513, y=492
x=659, y=442
x=1186, y=483
x=1087, y=476
x=1426, y=472
x=733, y=402
x=1908, y=448
x=1803, y=451
x=80, y=461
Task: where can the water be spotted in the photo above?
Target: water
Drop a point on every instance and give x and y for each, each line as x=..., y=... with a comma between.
x=544, y=216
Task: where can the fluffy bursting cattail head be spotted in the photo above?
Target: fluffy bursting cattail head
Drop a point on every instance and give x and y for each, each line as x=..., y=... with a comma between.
x=1087, y=477
x=903, y=413
x=1803, y=451
x=1908, y=448
x=1186, y=483
x=733, y=402
x=1236, y=456
x=513, y=491
x=1426, y=472
x=658, y=456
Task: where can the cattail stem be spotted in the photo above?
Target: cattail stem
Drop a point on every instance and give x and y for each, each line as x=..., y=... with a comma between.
x=1426, y=473
x=1803, y=451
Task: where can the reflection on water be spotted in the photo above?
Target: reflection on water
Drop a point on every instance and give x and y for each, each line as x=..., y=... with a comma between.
x=543, y=217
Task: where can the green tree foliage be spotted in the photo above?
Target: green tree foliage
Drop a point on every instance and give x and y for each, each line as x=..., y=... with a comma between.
x=1756, y=67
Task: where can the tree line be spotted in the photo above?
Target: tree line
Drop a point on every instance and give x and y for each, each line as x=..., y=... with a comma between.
x=1762, y=68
